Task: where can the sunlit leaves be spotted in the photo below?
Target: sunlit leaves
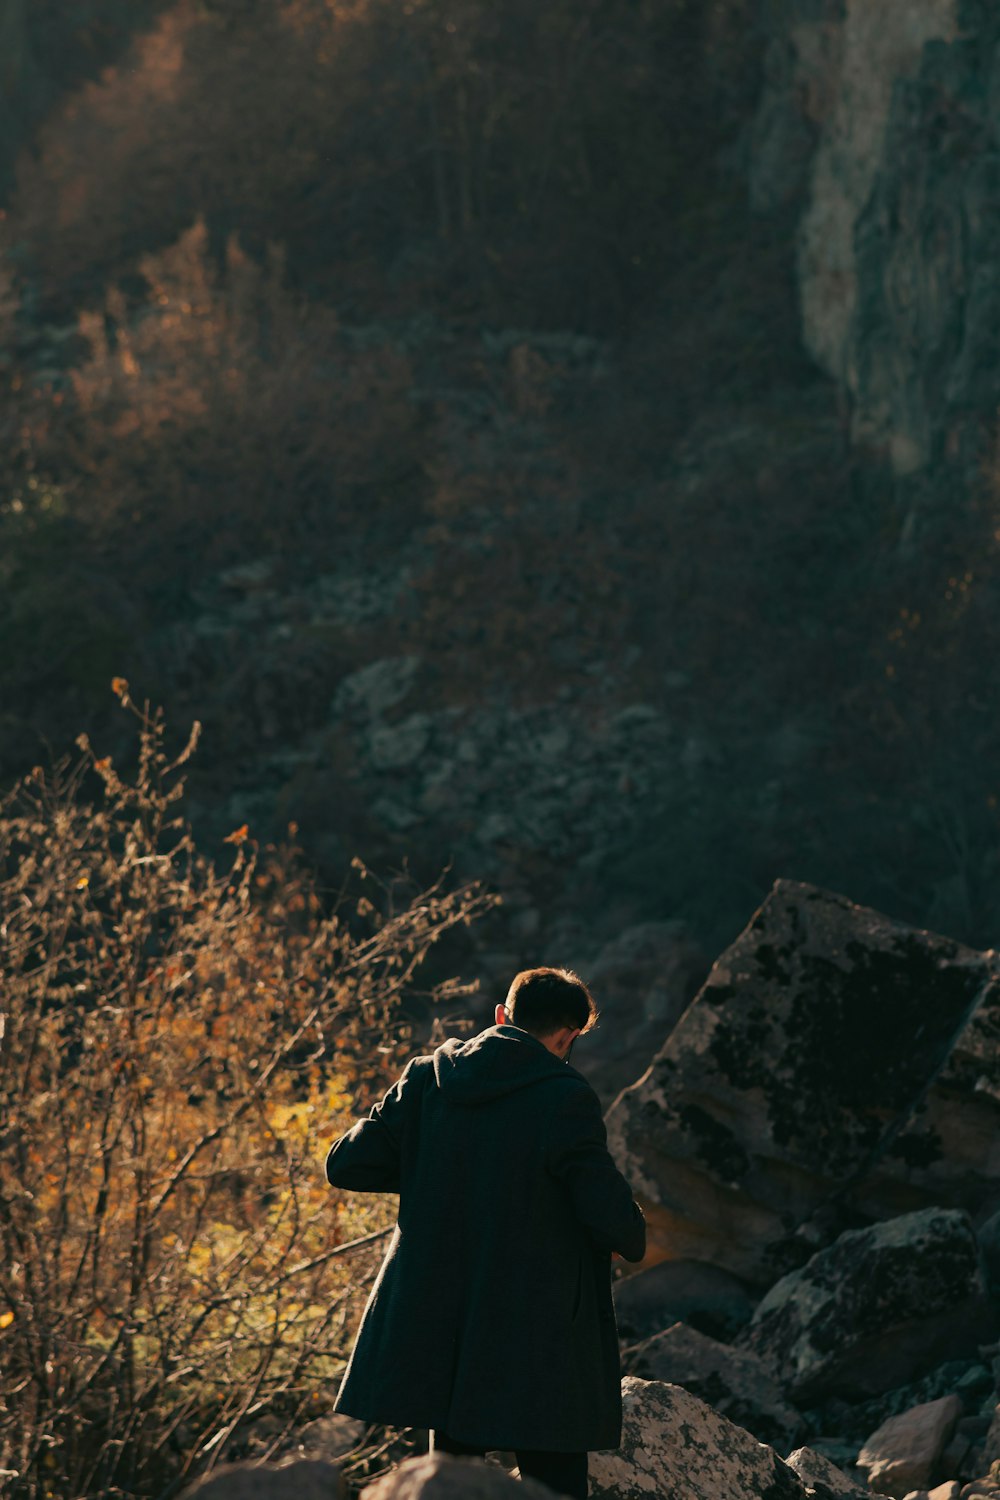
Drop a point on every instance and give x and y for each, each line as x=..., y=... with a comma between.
x=182, y=1044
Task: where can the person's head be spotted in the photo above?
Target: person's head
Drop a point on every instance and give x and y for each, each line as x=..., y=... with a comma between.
x=554, y=1005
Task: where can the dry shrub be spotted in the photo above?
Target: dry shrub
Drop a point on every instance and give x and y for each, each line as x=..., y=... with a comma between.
x=222, y=407
x=181, y=1044
x=224, y=109
x=521, y=162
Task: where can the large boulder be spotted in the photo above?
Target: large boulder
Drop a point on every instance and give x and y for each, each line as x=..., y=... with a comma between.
x=686, y=1291
x=675, y=1444
x=905, y=1453
x=791, y=1074
x=437, y=1476
x=876, y=1309
x=734, y=1381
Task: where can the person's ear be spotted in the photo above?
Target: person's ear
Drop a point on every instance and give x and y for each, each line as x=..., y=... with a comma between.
x=570, y=1040
x=501, y=1016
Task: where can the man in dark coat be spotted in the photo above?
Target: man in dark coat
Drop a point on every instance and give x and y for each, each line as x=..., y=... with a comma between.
x=491, y=1322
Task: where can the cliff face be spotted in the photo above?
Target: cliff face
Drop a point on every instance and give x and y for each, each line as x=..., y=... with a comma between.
x=897, y=189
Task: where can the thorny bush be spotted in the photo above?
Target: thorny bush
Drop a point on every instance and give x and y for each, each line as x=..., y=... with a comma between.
x=181, y=1042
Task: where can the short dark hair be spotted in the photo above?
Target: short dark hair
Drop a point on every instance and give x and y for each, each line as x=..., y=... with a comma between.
x=544, y=1000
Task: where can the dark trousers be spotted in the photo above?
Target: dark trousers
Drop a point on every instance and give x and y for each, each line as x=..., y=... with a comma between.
x=566, y=1473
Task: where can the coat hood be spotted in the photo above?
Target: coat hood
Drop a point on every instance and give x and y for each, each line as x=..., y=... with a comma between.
x=494, y=1063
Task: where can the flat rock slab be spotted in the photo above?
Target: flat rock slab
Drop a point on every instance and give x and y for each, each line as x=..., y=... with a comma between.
x=785, y=1080
x=734, y=1381
x=905, y=1452
x=675, y=1445
x=875, y=1310
x=438, y=1476
x=305, y=1479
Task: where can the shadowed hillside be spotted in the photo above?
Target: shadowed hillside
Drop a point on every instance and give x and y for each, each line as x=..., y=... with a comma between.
x=557, y=441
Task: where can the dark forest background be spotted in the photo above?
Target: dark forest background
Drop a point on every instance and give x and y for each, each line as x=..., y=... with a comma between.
x=417, y=395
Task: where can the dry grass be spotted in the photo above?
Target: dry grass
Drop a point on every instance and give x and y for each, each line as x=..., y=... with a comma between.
x=181, y=1044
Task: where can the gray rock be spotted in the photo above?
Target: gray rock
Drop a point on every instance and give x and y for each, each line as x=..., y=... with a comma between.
x=686, y=1291
x=303, y=1479
x=783, y=136
x=784, y=1082
x=904, y=1454
x=675, y=1445
x=956, y=1456
x=355, y=599
x=858, y=1419
x=947, y=1150
x=511, y=779
x=376, y=688
x=822, y=1478
x=732, y=1380
x=878, y=1307
x=329, y=1437
x=854, y=75
x=249, y=576
x=985, y=1488
x=436, y=1476
x=394, y=747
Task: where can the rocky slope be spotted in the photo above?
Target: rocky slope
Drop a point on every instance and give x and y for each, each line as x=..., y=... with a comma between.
x=623, y=618
x=870, y=147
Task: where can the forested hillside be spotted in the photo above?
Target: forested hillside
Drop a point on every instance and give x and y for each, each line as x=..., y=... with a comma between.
x=556, y=439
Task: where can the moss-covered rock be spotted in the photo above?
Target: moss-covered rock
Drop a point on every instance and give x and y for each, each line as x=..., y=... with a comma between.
x=880, y=1305
x=814, y=1040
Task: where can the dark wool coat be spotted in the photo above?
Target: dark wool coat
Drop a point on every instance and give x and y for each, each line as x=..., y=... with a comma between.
x=491, y=1318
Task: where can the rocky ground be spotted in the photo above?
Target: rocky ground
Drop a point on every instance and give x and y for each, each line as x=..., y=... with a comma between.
x=864, y=1173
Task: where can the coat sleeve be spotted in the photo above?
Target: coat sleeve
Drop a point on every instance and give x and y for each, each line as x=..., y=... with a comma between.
x=602, y=1199
x=368, y=1157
